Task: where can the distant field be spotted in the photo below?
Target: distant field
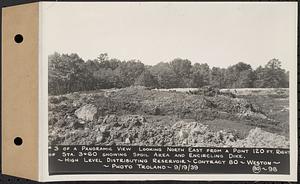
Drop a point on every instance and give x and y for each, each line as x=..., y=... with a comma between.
x=240, y=91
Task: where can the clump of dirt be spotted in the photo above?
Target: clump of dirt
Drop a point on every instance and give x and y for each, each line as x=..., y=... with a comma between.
x=140, y=130
x=197, y=134
x=139, y=116
x=259, y=138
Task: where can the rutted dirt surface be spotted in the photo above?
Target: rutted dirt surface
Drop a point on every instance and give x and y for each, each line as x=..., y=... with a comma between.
x=138, y=116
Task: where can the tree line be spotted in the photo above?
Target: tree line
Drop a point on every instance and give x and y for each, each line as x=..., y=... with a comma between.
x=70, y=73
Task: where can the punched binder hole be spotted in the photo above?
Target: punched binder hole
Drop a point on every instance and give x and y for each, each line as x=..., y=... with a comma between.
x=18, y=141
x=18, y=38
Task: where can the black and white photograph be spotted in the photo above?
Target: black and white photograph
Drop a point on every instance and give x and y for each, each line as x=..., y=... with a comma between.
x=170, y=75
x=170, y=88
x=150, y=91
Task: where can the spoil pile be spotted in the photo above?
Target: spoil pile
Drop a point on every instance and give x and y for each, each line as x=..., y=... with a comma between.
x=138, y=116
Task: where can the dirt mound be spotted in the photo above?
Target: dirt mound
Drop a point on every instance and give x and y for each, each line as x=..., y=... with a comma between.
x=199, y=107
x=140, y=130
x=138, y=116
x=197, y=134
x=143, y=101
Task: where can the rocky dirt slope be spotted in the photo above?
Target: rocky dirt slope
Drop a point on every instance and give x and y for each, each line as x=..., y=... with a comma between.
x=137, y=116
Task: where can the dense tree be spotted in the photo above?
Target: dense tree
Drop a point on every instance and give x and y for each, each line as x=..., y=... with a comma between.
x=182, y=69
x=246, y=79
x=272, y=75
x=70, y=73
x=129, y=71
x=93, y=65
x=146, y=79
x=200, y=75
x=105, y=62
x=259, y=77
x=239, y=76
x=107, y=78
x=217, y=77
x=165, y=75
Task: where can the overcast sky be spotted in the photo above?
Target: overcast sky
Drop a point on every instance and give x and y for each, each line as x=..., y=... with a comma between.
x=220, y=34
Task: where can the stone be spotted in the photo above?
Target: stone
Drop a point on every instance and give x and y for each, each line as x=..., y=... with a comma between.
x=54, y=100
x=110, y=118
x=52, y=121
x=99, y=139
x=87, y=112
x=60, y=123
x=183, y=134
x=103, y=128
x=78, y=125
x=127, y=141
x=82, y=122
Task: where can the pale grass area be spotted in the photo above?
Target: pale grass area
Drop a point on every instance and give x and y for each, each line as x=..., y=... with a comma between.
x=258, y=91
x=239, y=91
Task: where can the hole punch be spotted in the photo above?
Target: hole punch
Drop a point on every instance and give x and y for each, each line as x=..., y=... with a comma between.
x=19, y=38
x=18, y=141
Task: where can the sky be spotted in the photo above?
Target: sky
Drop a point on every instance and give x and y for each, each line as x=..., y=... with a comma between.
x=220, y=34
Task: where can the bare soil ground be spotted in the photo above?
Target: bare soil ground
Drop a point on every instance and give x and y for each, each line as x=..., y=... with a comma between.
x=139, y=116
